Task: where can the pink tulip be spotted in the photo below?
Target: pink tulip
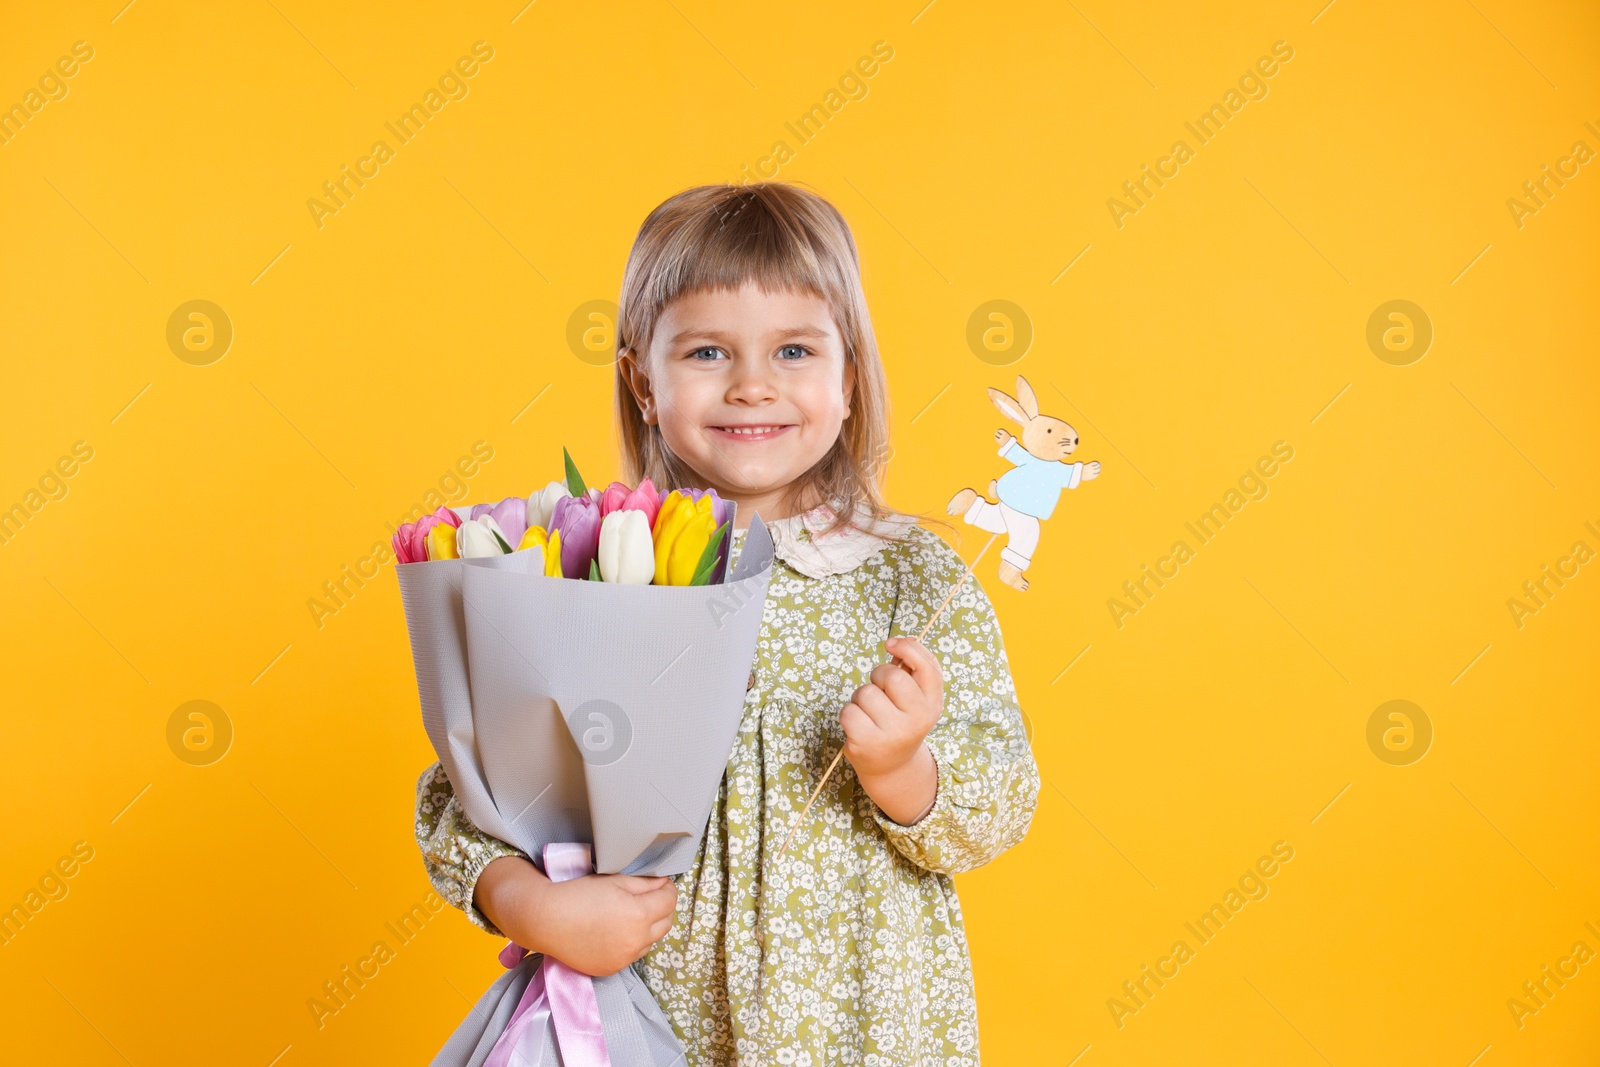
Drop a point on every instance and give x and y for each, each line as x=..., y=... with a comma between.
x=612, y=498
x=411, y=539
x=647, y=499
x=402, y=542
x=618, y=497
x=442, y=516
x=578, y=520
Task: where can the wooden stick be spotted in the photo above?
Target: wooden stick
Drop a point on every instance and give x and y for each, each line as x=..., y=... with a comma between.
x=834, y=765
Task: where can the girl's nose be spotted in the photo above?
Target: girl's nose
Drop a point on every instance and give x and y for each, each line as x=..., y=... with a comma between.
x=751, y=381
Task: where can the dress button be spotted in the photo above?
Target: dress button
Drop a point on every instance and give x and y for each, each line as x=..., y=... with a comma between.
x=751, y=683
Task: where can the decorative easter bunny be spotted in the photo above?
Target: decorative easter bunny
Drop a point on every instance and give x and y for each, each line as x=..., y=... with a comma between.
x=1029, y=491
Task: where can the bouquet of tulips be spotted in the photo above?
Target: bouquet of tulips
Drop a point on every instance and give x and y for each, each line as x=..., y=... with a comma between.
x=582, y=659
x=632, y=536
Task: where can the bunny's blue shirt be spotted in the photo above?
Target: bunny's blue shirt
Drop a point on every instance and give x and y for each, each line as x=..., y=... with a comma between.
x=1034, y=485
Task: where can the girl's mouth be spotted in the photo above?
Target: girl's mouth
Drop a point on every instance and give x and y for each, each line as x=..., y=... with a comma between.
x=756, y=432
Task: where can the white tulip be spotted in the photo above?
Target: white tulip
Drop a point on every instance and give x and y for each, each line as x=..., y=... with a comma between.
x=627, y=554
x=480, y=537
x=543, y=503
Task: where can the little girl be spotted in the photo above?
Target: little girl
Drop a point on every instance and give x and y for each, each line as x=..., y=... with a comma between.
x=747, y=363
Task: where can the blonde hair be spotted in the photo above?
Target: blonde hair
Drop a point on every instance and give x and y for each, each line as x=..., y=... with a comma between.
x=782, y=238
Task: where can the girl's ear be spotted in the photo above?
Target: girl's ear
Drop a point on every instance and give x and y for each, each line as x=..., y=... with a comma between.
x=849, y=386
x=639, y=385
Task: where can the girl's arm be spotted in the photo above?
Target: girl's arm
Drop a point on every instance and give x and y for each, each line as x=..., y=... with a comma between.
x=454, y=851
x=597, y=924
x=987, y=781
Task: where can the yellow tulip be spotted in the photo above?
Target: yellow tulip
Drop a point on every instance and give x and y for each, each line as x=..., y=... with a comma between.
x=535, y=537
x=552, y=556
x=666, y=519
x=683, y=528
x=669, y=504
x=442, y=542
x=675, y=513
x=691, y=545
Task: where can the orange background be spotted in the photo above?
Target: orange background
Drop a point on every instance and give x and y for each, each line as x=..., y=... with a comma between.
x=432, y=311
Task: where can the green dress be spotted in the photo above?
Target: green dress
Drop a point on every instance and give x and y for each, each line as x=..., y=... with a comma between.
x=851, y=949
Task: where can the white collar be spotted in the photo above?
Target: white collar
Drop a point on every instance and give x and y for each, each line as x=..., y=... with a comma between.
x=800, y=541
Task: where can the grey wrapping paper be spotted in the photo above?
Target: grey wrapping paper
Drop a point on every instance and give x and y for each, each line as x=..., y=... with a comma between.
x=569, y=710
x=637, y=1033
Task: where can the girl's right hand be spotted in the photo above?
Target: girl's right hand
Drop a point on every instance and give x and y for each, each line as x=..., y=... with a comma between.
x=597, y=924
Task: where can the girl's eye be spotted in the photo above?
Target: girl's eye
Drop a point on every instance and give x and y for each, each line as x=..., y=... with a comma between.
x=797, y=350
x=697, y=353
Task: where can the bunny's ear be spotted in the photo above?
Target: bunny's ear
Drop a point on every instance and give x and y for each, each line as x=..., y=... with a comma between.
x=1030, y=403
x=1008, y=407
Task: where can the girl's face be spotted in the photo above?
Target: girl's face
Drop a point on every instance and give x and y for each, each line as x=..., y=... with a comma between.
x=750, y=389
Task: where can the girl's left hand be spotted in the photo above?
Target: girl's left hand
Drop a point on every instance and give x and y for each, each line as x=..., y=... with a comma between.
x=886, y=719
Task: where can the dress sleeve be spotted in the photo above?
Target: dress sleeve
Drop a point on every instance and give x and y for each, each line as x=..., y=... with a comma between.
x=454, y=851
x=988, y=782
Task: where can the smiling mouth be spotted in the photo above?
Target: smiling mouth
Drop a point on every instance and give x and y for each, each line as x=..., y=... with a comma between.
x=762, y=432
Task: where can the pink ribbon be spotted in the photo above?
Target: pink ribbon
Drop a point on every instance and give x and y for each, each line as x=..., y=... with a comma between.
x=556, y=994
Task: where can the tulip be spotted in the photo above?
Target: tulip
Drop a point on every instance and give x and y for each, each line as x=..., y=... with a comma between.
x=612, y=498
x=541, y=505
x=480, y=537
x=552, y=556
x=511, y=514
x=577, y=519
x=683, y=529
x=411, y=539
x=442, y=542
x=665, y=530
x=618, y=497
x=719, y=512
x=627, y=554
x=646, y=498
x=536, y=540
x=402, y=543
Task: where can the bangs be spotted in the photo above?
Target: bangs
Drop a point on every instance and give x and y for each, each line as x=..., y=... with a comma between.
x=744, y=236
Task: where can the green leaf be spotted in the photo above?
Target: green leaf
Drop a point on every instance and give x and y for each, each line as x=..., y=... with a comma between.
x=594, y=571
x=708, y=558
x=575, y=484
x=504, y=547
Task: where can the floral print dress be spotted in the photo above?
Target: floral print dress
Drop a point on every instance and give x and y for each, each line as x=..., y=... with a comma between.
x=850, y=950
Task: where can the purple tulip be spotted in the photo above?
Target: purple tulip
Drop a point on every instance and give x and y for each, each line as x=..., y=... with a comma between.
x=511, y=514
x=578, y=519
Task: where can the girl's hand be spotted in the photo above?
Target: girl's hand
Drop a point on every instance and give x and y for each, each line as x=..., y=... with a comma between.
x=885, y=724
x=597, y=924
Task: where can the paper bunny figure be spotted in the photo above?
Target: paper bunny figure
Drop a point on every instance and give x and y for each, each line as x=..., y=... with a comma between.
x=1028, y=492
